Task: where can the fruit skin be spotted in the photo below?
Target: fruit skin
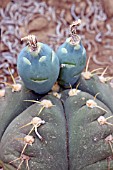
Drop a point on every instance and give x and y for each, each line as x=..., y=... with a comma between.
x=87, y=147
x=50, y=154
x=94, y=86
x=72, y=60
x=38, y=69
x=12, y=104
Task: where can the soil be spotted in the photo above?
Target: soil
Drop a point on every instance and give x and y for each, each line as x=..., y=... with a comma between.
x=52, y=27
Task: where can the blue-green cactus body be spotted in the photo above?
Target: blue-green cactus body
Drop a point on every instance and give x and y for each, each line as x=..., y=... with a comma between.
x=88, y=147
x=95, y=86
x=12, y=104
x=72, y=60
x=38, y=69
x=49, y=154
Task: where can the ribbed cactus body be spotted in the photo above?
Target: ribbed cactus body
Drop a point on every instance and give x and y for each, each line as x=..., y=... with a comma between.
x=88, y=148
x=12, y=104
x=72, y=60
x=6, y=166
x=71, y=141
x=38, y=69
x=94, y=86
x=69, y=130
x=103, y=165
x=49, y=154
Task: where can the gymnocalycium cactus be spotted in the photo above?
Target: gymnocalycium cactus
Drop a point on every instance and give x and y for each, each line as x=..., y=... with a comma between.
x=70, y=130
x=38, y=65
x=48, y=139
x=93, y=84
x=72, y=58
x=12, y=102
x=90, y=125
x=44, y=146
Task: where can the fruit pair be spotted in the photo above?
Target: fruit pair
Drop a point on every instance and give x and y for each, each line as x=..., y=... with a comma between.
x=40, y=67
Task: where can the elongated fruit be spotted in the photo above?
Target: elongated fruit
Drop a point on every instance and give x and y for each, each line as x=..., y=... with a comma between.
x=38, y=66
x=72, y=57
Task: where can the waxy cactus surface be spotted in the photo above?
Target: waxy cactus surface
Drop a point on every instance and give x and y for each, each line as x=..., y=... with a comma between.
x=94, y=86
x=49, y=153
x=12, y=104
x=73, y=133
x=72, y=58
x=38, y=66
x=70, y=130
x=88, y=145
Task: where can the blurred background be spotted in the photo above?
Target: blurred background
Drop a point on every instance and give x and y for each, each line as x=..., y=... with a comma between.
x=49, y=20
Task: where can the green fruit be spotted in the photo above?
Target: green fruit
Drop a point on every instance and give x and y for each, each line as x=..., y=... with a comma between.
x=38, y=67
x=72, y=59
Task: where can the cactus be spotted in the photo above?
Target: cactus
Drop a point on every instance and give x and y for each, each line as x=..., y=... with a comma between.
x=47, y=152
x=6, y=166
x=70, y=130
x=12, y=104
x=80, y=139
x=90, y=124
x=72, y=58
x=94, y=84
x=38, y=66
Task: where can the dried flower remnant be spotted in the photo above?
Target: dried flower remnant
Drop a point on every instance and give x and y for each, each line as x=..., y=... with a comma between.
x=103, y=121
x=32, y=41
x=75, y=39
x=36, y=122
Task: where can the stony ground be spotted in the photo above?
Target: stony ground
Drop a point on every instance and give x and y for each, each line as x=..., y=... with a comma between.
x=50, y=21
